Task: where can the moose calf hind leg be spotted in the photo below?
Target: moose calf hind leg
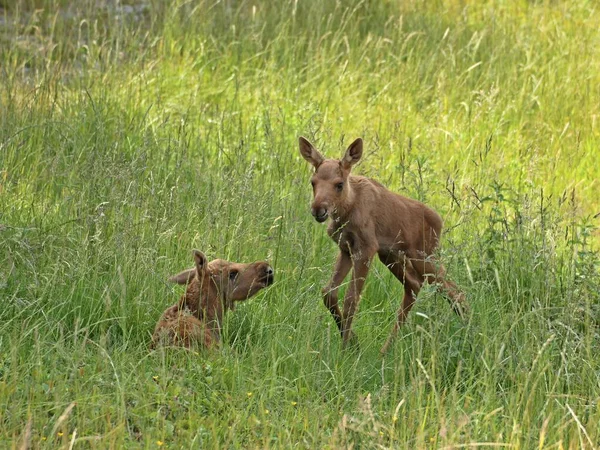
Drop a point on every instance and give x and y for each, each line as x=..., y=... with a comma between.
x=437, y=275
x=456, y=299
x=407, y=275
x=407, y=303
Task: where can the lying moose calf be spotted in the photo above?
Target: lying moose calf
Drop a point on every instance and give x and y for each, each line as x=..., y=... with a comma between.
x=212, y=289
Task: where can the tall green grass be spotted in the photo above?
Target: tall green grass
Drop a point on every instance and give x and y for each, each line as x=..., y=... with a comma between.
x=132, y=132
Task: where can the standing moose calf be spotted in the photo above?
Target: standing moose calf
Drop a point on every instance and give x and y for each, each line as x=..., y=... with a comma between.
x=368, y=219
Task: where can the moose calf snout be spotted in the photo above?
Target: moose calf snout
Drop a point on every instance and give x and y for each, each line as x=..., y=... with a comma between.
x=269, y=275
x=319, y=213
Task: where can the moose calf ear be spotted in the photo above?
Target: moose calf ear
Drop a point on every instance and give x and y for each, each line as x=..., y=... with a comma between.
x=309, y=152
x=353, y=154
x=188, y=275
x=183, y=277
x=200, y=260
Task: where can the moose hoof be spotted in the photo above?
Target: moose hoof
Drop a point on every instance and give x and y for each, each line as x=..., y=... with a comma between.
x=350, y=342
x=462, y=310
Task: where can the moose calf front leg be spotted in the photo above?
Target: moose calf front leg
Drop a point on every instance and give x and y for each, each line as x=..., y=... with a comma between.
x=359, y=275
x=330, y=292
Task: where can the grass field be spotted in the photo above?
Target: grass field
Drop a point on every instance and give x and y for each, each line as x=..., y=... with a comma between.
x=132, y=132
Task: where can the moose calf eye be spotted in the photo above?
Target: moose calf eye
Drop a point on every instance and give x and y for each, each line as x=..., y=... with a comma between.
x=339, y=187
x=233, y=274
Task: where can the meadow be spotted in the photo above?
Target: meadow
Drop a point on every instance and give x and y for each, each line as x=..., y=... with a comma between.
x=132, y=132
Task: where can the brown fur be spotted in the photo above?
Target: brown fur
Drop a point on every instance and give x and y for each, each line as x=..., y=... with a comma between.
x=180, y=328
x=368, y=219
x=212, y=289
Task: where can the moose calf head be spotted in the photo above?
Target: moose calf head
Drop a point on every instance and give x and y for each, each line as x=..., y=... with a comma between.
x=330, y=180
x=230, y=281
